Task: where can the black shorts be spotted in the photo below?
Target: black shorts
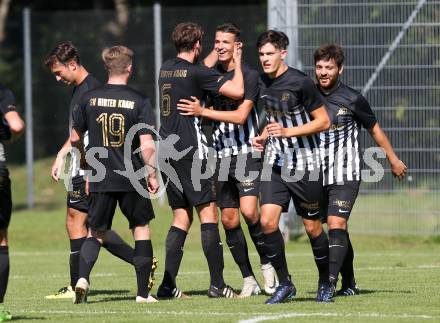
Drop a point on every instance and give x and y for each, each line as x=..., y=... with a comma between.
x=77, y=198
x=305, y=192
x=136, y=208
x=5, y=202
x=194, y=191
x=237, y=176
x=339, y=200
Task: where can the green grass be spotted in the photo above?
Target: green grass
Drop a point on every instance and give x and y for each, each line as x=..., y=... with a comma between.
x=399, y=276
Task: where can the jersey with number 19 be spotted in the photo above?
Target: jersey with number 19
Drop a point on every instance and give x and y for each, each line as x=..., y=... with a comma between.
x=108, y=113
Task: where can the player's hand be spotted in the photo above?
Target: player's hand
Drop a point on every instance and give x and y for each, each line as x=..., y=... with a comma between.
x=238, y=49
x=57, y=166
x=275, y=129
x=190, y=107
x=258, y=143
x=399, y=169
x=152, y=184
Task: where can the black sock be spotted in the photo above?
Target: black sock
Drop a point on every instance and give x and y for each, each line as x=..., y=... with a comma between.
x=174, y=252
x=347, y=270
x=257, y=237
x=213, y=250
x=143, y=259
x=274, y=249
x=337, y=251
x=75, y=247
x=237, y=244
x=118, y=247
x=4, y=271
x=320, y=252
x=88, y=256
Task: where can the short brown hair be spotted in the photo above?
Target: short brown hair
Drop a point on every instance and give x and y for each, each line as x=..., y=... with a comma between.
x=328, y=52
x=63, y=53
x=277, y=38
x=186, y=35
x=230, y=28
x=117, y=59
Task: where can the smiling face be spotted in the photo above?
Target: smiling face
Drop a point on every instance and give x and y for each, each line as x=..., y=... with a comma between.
x=271, y=58
x=65, y=73
x=327, y=73
x=224, y=46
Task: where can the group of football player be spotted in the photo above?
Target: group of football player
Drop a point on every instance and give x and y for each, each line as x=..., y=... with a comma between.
x=307, y=151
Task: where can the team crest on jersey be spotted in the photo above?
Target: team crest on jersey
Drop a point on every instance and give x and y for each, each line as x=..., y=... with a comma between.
x=343, y=111
x=285, y=96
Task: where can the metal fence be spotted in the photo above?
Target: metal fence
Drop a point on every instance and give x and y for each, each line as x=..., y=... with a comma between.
x=392, y=53
x=393, y=56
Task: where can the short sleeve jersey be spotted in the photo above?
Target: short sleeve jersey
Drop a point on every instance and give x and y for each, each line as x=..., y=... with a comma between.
x=348, y=111
x=180, y=79
x=7, y=104
x=289, y=99
x=232, y=139
x=108, y=113
x=89, y=83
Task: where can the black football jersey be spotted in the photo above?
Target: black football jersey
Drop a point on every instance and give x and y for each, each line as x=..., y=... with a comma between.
x=180, y=79
x=289, y=99
x=107, y=113
x=348, y=111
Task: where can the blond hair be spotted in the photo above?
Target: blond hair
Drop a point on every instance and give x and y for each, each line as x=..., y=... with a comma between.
x=117, y=59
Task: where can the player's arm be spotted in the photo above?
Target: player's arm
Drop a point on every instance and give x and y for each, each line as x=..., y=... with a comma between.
x=58, y=163
x=147, y=146
x=148, y=152
x=365, y=115
x=398, y=168
x=312, y=101
x=76, y=139
x=193, y=108
x=211, y=59
x=79, y=127
x=234, y=88
x=238, y=116
x=320, y=122
x=12, y=126
x=15, y=124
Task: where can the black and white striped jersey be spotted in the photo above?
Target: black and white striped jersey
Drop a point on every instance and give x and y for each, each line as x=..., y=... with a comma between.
x=348, y=111
x=228, y=138
x=289, y=99
x=89, y=83
x=180, y=79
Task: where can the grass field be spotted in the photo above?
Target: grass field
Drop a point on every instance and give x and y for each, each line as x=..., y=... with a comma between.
x=399, y=276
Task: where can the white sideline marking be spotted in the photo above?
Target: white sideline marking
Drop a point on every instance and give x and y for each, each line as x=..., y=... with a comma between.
x=259, y=317
x=175, y=313
x=354, y=315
